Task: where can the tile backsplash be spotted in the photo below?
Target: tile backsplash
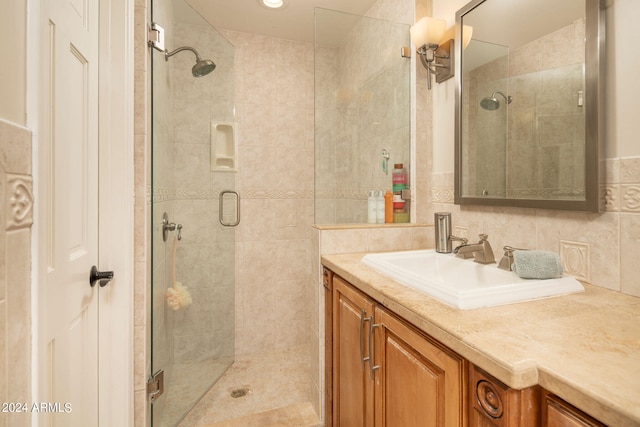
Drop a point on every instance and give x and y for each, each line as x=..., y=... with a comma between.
x=600, y=248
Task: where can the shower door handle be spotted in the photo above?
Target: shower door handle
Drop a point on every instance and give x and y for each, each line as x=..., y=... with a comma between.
x=221, y=209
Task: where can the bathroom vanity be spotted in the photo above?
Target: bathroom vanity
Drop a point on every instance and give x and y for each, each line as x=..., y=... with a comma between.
x=397, y=357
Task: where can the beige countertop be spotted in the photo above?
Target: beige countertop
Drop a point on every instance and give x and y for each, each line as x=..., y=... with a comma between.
x=583, y=347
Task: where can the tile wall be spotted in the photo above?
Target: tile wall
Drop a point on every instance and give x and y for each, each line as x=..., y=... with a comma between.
x=274, y=114
x=16, y=218
x=601, y=248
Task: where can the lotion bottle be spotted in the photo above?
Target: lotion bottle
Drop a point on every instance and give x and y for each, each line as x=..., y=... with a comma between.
x=371, y=208
x=380, y=208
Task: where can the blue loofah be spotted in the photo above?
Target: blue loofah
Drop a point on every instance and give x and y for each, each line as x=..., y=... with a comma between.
x=537, y=264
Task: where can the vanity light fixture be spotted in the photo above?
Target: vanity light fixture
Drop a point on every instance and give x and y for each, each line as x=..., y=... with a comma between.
x=435, y=46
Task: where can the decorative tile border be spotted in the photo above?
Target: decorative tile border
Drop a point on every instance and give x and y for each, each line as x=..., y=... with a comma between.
x=621, y=192
x=576, y=259
x=630, y=198
x=163, y=194
x=442, y=194
x=611, y=196
x=19, y=201
x=624, y=196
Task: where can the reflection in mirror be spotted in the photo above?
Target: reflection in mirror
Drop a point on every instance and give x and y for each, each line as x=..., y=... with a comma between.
x=527, y=114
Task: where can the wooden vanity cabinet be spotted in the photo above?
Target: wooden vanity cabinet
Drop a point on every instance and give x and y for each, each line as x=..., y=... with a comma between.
x=401, y=378
x=558, y=413
x=494, y=404
x=405, y=378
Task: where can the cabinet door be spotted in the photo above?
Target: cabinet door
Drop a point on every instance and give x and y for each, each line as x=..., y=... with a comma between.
x=327, y=282
x=558, y=413
x=419, y=381
x=352, y=384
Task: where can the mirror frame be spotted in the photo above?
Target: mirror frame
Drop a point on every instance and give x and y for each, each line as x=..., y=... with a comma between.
x=594, y=119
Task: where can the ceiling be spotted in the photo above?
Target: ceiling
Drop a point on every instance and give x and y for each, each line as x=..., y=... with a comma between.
x=293, y=22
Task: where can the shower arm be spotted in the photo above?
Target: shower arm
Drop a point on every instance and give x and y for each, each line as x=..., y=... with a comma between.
x=168, y=54
x=506, y=98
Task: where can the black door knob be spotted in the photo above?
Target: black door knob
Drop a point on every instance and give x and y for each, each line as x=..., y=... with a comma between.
x=99, y=276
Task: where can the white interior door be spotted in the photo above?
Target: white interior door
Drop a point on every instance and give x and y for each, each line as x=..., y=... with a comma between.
x=68, y=328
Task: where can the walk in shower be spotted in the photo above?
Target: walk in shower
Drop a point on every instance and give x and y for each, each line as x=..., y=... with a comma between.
x=193, y=261
x=247, y=126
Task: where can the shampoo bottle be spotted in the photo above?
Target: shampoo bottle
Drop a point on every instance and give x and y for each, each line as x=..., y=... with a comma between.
x=388, y=207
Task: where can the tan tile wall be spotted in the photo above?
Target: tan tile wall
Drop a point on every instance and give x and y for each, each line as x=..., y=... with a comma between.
x=274, y=113
x=16, y=217
x=601, y=248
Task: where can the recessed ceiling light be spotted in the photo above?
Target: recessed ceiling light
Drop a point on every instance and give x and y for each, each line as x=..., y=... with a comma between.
x=273, y=4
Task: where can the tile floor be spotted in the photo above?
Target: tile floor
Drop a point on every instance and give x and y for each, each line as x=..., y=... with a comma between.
x=186, y=386
x=274, y=391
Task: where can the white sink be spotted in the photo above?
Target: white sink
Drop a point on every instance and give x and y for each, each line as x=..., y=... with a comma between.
x=465, y=284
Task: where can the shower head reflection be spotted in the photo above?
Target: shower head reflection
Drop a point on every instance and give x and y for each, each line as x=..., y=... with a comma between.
x=491, y=103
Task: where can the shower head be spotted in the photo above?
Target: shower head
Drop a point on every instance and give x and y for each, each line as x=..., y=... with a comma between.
x=491, y=103
x=202, y=66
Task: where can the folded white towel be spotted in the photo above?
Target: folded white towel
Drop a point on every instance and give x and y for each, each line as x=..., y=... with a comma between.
x=537, y=264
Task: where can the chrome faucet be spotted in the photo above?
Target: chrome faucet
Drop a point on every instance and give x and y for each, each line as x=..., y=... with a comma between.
x=463, y=241
x=481, y=251
x=506, y=263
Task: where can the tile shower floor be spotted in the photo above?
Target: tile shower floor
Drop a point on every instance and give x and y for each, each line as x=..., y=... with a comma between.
x=262, y=390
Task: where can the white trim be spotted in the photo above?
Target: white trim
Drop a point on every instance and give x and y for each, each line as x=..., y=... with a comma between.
x=33, y=118
x=116, y=217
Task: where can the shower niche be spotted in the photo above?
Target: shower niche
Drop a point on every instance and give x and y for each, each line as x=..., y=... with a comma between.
x=223, y=147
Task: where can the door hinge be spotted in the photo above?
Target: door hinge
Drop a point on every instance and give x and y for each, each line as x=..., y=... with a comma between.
x=155, y=385
x=156, y=37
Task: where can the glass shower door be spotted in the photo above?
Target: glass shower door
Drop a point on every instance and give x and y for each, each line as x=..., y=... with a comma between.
x=193, y=163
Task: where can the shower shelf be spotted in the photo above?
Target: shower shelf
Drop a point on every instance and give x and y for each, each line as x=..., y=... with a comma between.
x=223, y=147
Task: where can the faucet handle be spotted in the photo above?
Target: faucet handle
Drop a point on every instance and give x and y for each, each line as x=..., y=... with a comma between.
x=483, y=237
x=506, y=263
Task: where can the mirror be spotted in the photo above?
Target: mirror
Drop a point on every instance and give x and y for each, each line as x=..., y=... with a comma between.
x=529, y=119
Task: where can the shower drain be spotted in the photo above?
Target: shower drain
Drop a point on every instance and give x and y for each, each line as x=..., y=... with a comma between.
x=239, y=392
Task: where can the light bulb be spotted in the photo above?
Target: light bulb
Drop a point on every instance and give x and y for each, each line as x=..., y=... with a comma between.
x=274, y=4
